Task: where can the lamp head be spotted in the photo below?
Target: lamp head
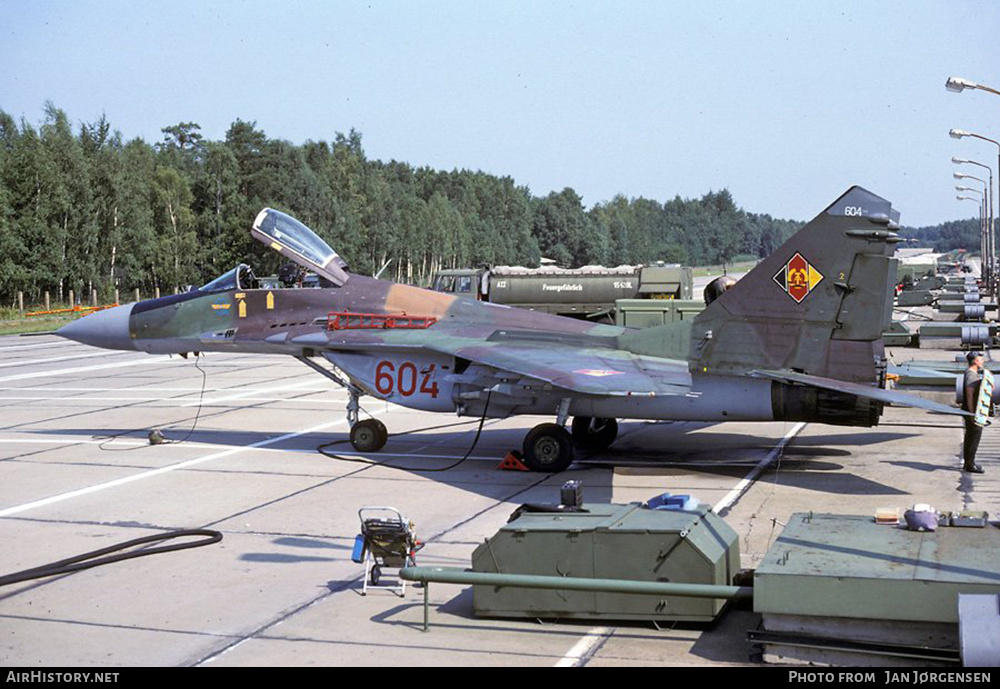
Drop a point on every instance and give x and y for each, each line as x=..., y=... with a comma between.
x=958, y=84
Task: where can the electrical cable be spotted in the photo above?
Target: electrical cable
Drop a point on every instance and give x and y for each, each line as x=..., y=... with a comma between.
x=360, y=460
x=105, y=439
x=201, y=398
x=94, y=558
x=103, y=556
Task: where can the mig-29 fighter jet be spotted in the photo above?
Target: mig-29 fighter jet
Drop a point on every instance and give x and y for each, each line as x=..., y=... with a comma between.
x=797, y=339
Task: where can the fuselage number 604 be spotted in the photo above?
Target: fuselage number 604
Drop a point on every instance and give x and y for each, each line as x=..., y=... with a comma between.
x=404, y=380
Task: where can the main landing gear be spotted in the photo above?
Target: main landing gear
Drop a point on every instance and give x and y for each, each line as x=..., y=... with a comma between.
x=594, y=434
x=548, y=447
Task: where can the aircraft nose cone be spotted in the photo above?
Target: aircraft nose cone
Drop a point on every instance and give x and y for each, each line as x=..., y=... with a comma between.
x=107, y=328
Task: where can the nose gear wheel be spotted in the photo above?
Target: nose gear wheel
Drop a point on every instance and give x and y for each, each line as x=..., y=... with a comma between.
x=369, y=435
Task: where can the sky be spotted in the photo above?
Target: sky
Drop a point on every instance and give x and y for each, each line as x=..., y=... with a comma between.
x=786, y=104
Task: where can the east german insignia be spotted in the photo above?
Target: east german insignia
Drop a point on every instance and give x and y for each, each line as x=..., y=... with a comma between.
x=798, y=278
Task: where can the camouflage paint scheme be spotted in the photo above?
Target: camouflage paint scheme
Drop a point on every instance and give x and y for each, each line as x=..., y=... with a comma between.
x=798, y=338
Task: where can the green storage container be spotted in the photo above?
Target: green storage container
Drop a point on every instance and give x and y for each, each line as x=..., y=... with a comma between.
x=608, y=541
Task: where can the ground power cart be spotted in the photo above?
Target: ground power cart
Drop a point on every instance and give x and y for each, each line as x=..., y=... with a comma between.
x=386, y=540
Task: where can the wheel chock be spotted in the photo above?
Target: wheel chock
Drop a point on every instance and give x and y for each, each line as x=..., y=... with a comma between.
x=512, y=462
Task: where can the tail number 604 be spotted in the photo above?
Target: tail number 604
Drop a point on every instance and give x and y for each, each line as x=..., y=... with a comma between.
x=405, y=379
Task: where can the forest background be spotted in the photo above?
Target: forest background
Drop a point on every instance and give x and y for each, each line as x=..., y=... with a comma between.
x=85, y=210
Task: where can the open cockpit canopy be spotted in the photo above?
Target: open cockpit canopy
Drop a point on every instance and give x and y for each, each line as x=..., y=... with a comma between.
x=289, y=237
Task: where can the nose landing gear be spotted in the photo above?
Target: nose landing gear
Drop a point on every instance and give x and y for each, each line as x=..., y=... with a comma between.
x=366, y=436
x=369, y=435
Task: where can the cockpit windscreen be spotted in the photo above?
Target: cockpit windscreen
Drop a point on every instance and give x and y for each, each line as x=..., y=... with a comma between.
x=240, y=277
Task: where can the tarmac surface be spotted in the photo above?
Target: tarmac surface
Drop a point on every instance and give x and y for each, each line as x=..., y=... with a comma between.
x=77, y=474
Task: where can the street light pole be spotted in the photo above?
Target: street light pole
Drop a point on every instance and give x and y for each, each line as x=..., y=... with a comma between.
x=987, y=271
x=982, y=224
x=990, y=273
x=958, y=134
x=957, y=85
x=991, y=206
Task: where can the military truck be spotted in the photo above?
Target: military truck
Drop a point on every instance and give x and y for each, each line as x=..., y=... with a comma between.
x=588, y=292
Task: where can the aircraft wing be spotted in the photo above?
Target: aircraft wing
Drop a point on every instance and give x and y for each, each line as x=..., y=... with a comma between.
x=592, y=371
x=581, y=368
x=902, y=399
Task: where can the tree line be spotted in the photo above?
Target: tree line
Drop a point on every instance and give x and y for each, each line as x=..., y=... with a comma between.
x=948, y=236
x=86, y=209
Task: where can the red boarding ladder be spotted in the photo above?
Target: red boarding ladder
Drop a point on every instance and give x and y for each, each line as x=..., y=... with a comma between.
x=351, y=320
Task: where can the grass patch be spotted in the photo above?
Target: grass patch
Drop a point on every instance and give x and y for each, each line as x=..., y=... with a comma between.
x=13, y=323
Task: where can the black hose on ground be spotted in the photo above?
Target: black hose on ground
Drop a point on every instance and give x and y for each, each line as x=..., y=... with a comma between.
x=95, y=558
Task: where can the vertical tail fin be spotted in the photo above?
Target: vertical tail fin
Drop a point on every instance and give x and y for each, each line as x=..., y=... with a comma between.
x=818, y=305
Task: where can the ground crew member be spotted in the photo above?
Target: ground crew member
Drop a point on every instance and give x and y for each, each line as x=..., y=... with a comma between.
x=970, y=398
